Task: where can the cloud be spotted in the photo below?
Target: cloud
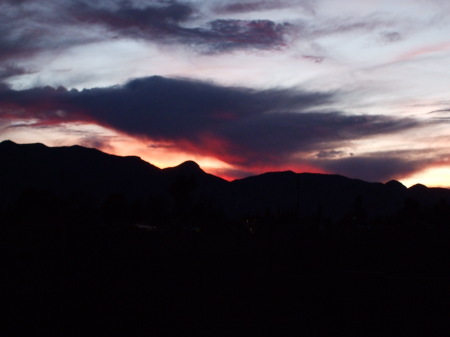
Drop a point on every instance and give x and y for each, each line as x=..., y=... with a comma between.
x=160, y=146
x=130, y=20
x=257, y=6
x=329, y=154
x=27, y=28
x=276, y=137
x=95, y=141
x=173, y=23
x=442, y=119
x=379, y=166
x=223, y=35
x=440, y=111
x=249, y=6
x=440, y=115
x=344, y=25
x=390, y=37
x=240, y=126
x=314, y=58
x=9, y=70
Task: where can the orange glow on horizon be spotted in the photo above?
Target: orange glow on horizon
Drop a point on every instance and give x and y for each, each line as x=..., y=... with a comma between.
x=165, y=155
x=169, y=155
x=432, y=177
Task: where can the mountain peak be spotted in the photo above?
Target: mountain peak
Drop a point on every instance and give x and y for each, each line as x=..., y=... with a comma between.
x=418, y=187
x=10, y=144
x=395, y=184
x=7, y=143
x=190, y=165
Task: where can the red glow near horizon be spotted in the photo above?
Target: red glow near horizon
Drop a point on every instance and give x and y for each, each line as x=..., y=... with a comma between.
x=213, y=158
x=436, y=175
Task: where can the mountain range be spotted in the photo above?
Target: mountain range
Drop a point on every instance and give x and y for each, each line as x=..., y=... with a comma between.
x=126, y=245
x=70, y=171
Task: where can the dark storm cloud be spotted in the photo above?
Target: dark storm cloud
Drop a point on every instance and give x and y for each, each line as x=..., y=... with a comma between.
x=238, y=125
x=9, y=70
x=15, y=41
x=276, y=136
x=377, y=167
x=223, y=35
x=168, y=24
x=129, y=20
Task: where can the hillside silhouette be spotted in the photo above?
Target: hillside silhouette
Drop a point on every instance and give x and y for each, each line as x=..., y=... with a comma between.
x=68, y=171
x=124, y=241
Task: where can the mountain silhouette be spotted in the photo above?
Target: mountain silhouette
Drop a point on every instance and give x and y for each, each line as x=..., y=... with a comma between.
x=205, y=182
x=65, y=171
x=75, y=169
x=124, y=244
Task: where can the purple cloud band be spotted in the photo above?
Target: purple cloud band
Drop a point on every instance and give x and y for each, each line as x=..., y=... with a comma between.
x=240, y=126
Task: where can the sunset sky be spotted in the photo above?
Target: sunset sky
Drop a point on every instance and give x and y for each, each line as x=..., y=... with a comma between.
x=354, y=87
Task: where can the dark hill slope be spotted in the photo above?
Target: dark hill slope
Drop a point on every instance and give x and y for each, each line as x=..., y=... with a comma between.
x=67, y=170
x=202, y=182
x=310, y=194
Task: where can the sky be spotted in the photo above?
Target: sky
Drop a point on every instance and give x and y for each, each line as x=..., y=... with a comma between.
x=359, y=88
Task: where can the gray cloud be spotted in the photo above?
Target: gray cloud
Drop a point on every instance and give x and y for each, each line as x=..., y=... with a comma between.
x=95, y=141
x=28, y=28
x=391, y=36
x=9, y=70
x=440, y=111
x=314, y=58
x=329, y=154
x=170, y=24
x=344, y=25
x=254, y=6
x=440, y=116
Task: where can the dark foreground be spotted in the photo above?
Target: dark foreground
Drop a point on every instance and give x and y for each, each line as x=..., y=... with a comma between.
x=129, y=282
x=100, y=245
